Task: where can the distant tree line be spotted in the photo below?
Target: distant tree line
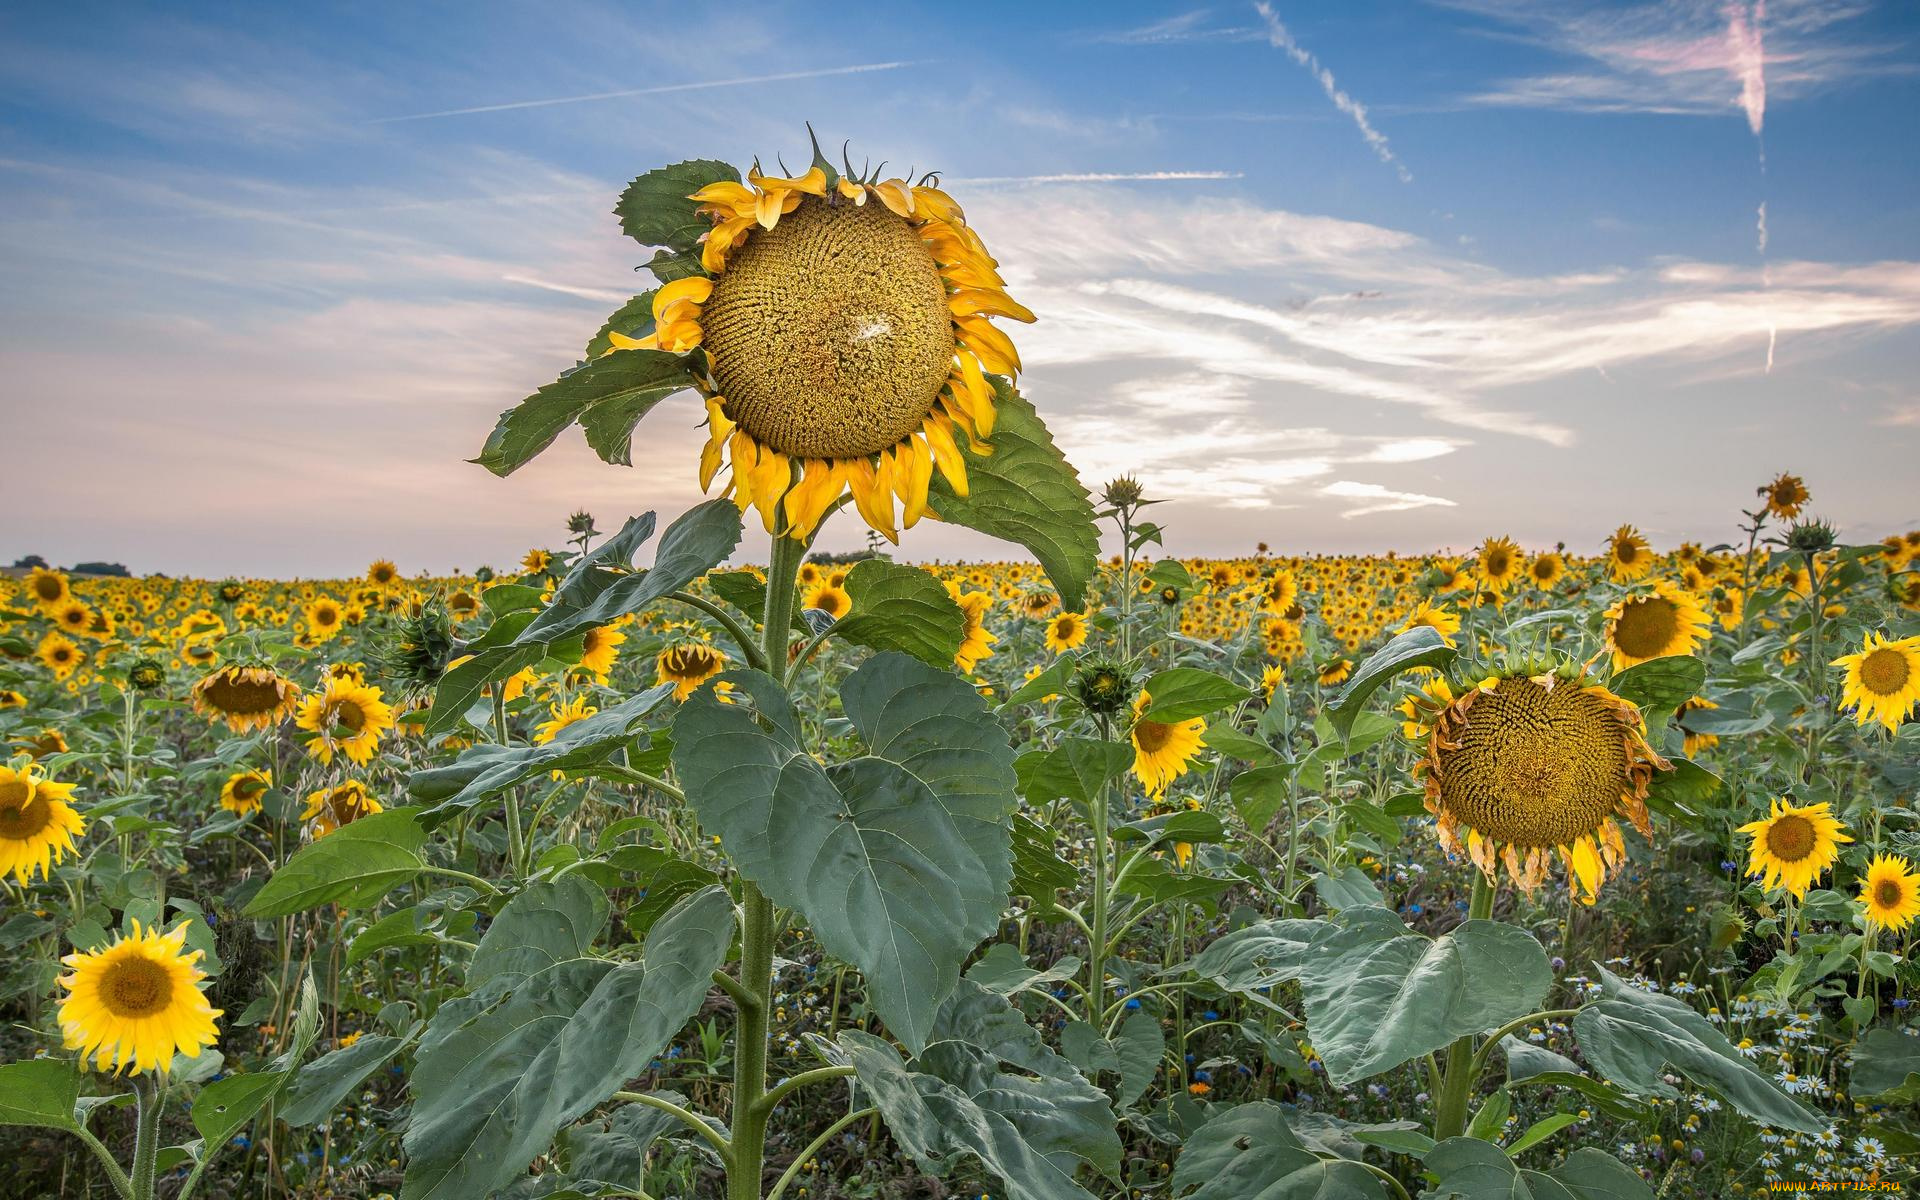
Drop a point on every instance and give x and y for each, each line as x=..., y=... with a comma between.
x=30, y=561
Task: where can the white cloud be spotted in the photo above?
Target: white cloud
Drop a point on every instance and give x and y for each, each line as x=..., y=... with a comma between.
x=1373, y=498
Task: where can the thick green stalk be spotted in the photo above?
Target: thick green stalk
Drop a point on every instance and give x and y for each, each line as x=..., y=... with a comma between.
x=1097, y=934
x=749, y=1134
x=1458, y=1076
x=149, y=1098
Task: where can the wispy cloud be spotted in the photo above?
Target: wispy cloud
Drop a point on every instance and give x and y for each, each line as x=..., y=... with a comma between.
x=1279, y=37
x=658, y=90
x=1186, y=27
x=1373, y=498
x=1096, y=177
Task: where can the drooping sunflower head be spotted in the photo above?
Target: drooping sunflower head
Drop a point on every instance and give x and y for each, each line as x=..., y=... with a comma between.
x=1890, y=893
x=976, y=642
x=1628, y=555
x=845, y=324
x=688, y=665
x=38, y=824
x=1883, y=680
x=245, y=697
x=1655, y=624
x=1529, y=765
x=330, y=808
x=1794, y=844
x=1162, y=750
x=137, y=1003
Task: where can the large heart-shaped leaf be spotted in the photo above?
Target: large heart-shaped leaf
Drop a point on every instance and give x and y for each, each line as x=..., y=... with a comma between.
x=902, y=608
x=1182, y=693
x=1421, y=646
x=327, y=1080
x=1249, y=1153
x=39, y=1091
x=355, y=866
x=1630, y=1036
x=1026, y=492
x=501, y=1071
x=1471, y=1169
x=1886, y=1064
x=899, y=859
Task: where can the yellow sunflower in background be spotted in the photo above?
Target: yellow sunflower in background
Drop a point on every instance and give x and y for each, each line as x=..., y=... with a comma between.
x=1162, y=750
x=47, y=588
x=1066, y=631
x=347, y=718
x=846, y=324
x=242, y=791
x=1437, y=617
x=1785, y=496
x=137, y=1003
x=975, y=642
x=1279, y=593
x=1628, y=555
x=560, y=716
x=1794, y=844
x=1694, y=743
x=37, y=824
x=72, y=616
x=325, y=616
x=1656, y=624
x=828, y=597
x=536, y=562
x=687, y=666
x=330, y=808
x=601, y=649
x=60, y=654
x=1546, y=569
x=1528, y=766
x=1890, y=893
x=245, y=697
x=1883, y=680
x=1335, y=671
x=1499, y=564
x=382, y=574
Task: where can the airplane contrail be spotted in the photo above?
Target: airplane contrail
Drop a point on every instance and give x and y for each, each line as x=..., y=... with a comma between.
x=857, y=69
x=1280, y=39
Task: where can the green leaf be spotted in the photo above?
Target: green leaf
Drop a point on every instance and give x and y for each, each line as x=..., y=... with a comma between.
x=934, y=1120
x=897, y=607
x=326, y=1081
x=1471, y=1169
x=1661, y=685
x=614, y=1153
x=604, y=586
x=1260, y=793
x=1420, y=646
x=1256, y=957
x=629, y=382
x=224, y=1108
x=1234, y=744
x=1187, y=692
x=1886, y=1064
x=545, y=925
x=654, y=209
x=1349, y=889
x=1630, y=1035
x=39, y=1091
x=486, y=770
x=1540, y=1131
x=1074, y=770
x=1140, y=1045
x=1055, y=680
x=900, y=859
x=1685, y=793
x=404, y=928
x=501, y=1071
x=1038, y=869
x=1001, y=969
x=634, y=319
x=1249, y=1153
x=1026, y=492
x=354, y=866
x=1525, y=1060
x=1491, y=1119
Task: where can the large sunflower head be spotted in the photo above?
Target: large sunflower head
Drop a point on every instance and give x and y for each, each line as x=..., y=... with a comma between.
x=1794, y=844
x=245, y=697
x=1655, y=624
x=1890, y=893
x=37, y=822
x=138, y=1002
x=1527, y=765
x=1883, y=680
x=845, y=325
x=1785, y=496
x=1162, y=750
x=347, y=717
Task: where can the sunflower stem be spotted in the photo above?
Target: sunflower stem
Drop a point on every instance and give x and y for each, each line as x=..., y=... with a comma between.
x=1097, y=931
x=749, y=1131
x=149, y=1098
x=1457, y=1078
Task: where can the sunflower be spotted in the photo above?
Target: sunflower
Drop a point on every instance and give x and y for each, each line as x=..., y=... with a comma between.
x=1531, y=765
x=1437, y=617
x=1038, y=604
x=1628, y=556
x=137, y=1002
x=47, y=588
x=72, y=616
x=1784, y=496
x=562, y=715
x=601, y=649
x=1656, y=624
x=348, y=717
x=1270, y=680
x=1883, y=680
x=687, y=666
x=1279, y=593
x=1499, y=564
x=382, y=574
x=325, y=616
x=463, y=605
x=60, y=654
x=330, y=808
x=1890, y=893
x=847, y=337
x=1066, y=631
x=1422, y=708
x=975, y=642
x=1335, y=671
x=1162, y=750
x=1545, y=570
x=1695, y=742
x=37, y=824
x=829, y=598
x=1794, y=844
x=245, y=697
x=242, y=791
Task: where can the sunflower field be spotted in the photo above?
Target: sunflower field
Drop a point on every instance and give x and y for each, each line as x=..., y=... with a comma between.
x=680, y=861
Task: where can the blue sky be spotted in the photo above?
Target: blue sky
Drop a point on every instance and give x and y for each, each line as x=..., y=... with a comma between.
x=1349, y=276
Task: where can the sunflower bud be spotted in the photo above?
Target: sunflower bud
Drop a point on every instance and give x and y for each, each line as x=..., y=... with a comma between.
x=147, y=675
x=421, y=647
x=1124, y=492
x=1811, y=536
x=580, y=524
x=1103, y=686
